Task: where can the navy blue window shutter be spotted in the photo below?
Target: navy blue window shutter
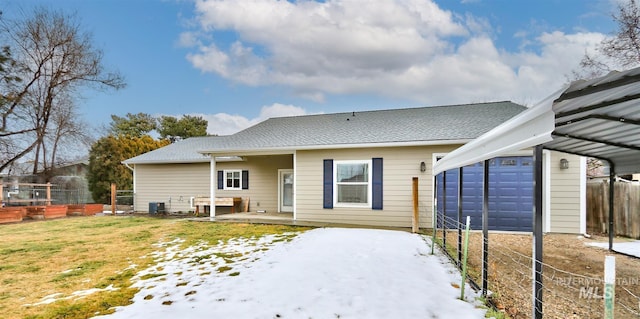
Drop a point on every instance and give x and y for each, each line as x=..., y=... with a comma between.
x=327, y=201
x=376, y=200
x=245, y=179
x=220, y=179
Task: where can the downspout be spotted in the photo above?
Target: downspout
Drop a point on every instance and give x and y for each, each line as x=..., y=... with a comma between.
x=134, y=184
x=583, y=197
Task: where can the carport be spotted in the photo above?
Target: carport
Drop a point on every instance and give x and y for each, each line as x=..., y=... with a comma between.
x=599, y=118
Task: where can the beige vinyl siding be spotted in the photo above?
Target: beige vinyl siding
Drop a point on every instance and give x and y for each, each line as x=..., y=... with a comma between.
x=263, y=181
x=565, y=194
x=172, y=184
x=400, y=165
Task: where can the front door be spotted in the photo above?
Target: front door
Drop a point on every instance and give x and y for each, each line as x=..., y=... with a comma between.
x=285, y=190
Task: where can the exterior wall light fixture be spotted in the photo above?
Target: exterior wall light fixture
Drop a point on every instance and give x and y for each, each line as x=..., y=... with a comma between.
x=564, y=163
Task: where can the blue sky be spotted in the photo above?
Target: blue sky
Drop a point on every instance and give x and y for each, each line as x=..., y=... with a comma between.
x=238, y=62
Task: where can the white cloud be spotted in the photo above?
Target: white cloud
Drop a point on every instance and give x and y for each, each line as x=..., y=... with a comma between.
x=226, y=124
x=210, y=59
x=410, y=49
x=187, y=40
x=280, y=110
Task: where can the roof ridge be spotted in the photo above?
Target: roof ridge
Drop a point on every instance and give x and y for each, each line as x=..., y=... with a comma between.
x=393, y=109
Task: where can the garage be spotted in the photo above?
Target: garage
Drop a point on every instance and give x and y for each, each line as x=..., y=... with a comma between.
x=510, y=193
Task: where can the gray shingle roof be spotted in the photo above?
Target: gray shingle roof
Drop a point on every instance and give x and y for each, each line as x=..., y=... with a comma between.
x=424, y=124
x=185, y=151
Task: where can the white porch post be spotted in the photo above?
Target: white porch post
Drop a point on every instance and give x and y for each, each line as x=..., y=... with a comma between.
x=212, y=189
x=295, y=185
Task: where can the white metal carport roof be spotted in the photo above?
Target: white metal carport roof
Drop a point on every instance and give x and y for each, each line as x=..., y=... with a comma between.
x=597, y=118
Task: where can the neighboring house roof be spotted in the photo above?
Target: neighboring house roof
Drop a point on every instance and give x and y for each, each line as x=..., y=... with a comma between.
x=26, y=168
x=79, y=161
x=419, y=126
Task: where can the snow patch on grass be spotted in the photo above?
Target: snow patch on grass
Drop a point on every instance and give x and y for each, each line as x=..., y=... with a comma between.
x=321, y=273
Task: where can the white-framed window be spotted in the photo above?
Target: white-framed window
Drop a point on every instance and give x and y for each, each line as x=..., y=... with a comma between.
x=352, y=183
x=233, y=179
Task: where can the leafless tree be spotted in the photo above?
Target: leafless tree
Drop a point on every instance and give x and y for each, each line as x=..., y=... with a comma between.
x=66, y=135
x=594, y=167
x=621, y=50
x=54, y=60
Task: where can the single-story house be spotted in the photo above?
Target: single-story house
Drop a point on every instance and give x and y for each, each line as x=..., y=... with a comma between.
x=353, y=168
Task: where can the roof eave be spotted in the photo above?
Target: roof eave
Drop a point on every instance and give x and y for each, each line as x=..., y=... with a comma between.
x=177, y=161
x=292, y=149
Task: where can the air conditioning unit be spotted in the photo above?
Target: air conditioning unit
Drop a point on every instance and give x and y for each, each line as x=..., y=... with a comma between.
x=156, y=207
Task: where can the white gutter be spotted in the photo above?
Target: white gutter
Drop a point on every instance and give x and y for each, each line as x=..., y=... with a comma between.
x=134, y=184
x=190, y=161
x=127, y=165
x=292, y=149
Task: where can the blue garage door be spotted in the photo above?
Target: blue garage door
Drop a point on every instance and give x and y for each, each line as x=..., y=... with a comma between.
x=510, y=193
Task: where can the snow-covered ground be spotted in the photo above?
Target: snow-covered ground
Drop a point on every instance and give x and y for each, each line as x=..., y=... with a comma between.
x=321, y=273
x=629, y=248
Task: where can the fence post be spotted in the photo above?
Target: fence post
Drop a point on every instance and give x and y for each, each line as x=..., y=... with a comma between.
x=48, y=193
x=464, y=258
x=416, y=225
x=609, y=286
x=113, y=199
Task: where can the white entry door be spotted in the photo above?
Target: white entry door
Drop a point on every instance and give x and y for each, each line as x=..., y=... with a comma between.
x=285, y=190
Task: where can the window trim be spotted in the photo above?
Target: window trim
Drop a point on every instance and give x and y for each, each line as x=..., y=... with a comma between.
x=369, y=183
x=224, y=179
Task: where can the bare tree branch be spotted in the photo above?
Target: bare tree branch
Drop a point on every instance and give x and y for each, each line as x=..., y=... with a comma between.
x=56, y=60
x=621, y=50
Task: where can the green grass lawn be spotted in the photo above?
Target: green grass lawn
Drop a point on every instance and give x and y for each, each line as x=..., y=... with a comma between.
x=59, y=257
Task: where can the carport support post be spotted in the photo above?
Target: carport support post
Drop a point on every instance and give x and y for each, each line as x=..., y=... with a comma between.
x=485, y=228
x=460, y=217
x=444, y=211
x=537, y=232
x=612, y=193
x=434, y=214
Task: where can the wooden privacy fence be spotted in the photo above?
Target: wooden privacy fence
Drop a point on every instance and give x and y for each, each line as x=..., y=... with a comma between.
x=626, y=208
